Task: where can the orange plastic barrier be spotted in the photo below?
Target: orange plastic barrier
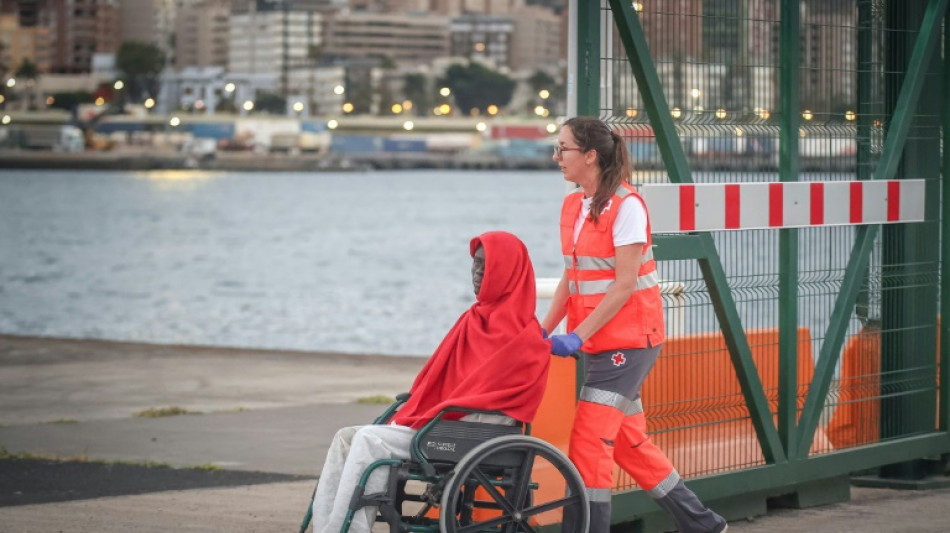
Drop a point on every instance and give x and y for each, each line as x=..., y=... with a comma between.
x=857, y=417
x=695, y=408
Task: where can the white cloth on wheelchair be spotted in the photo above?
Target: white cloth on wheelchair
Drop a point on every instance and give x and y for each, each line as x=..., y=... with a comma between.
x=353, y=449
x=485, y=418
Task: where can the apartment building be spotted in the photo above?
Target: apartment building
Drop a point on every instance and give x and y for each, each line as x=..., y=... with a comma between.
x=401, y=37
x=202, y=34
x=273, y=42
x=18, y=43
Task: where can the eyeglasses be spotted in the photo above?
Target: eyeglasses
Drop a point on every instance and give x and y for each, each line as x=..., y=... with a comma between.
x=558, y=150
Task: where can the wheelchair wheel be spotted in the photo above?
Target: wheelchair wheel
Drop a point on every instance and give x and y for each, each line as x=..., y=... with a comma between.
x=514, y=484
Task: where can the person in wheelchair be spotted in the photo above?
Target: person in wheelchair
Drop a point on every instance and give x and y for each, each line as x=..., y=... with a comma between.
x=493, y=359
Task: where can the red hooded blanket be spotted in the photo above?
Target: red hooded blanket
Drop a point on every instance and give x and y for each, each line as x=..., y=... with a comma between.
x=494, y=358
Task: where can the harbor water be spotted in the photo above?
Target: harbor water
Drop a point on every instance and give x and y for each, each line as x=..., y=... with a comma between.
x=368, y=262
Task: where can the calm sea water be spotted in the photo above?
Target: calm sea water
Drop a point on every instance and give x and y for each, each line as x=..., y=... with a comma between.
x=369, y=262
x=355, y=262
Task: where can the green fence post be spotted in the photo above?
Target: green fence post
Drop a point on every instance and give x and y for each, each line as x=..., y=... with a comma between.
x=910, y=251
x=788, y=238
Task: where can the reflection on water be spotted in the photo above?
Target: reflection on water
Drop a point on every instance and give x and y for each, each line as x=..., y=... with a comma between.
x=355, y=262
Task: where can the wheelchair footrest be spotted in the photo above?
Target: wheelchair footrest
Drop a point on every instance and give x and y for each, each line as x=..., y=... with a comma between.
x=360, y=500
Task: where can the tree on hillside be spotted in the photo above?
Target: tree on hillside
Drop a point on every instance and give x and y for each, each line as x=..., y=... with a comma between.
x=416, y=89
x=140, y=65
x=272, y=103
x=28, y=73
x=477, y=87
x=541, y=80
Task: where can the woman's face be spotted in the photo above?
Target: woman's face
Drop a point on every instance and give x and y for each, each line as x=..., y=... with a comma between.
x=571, y=158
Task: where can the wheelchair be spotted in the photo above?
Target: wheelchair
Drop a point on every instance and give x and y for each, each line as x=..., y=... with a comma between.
x=473, y=477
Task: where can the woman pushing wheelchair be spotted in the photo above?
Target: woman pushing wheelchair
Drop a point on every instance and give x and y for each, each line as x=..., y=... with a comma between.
x=493, y=359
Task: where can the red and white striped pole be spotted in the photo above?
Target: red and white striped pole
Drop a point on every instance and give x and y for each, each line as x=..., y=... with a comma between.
x=683, y=208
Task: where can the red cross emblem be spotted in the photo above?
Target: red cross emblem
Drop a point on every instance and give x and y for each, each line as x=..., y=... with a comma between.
x=618, y=359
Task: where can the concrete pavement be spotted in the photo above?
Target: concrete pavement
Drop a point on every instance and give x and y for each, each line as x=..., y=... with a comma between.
x=260, y=411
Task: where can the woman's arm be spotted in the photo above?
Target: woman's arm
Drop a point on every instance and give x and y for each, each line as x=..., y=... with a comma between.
x=628, y=259
x=558, y=306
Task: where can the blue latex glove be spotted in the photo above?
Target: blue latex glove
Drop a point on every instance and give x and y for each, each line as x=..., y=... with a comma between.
x=565, y=345
x=544, y=333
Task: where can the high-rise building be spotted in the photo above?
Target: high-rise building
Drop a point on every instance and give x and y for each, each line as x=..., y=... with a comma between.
x=23, y=43
x=402, y=38
x=537, y=40
x=486, y=38
x=274, y=42
x=202, y=34
x=674, y=28
x=79, y=29
x=454, y=8
x=150, y=21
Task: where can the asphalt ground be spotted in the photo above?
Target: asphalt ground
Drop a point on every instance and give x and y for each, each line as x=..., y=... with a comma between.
x=76, y=458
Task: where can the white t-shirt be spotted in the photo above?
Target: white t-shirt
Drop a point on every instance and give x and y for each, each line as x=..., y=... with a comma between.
x=630, y=227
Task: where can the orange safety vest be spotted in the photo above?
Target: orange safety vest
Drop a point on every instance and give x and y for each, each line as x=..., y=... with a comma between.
x=590, y=266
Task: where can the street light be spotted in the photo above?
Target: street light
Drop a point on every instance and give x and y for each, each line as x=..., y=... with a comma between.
x=174, y=122
x=149, y=103
x=248, y=105
x=408, y=125
x=118, y=85
x=807, y=114
x=229, y=88
x=676, y=112
x=338, y=90
x=11, y=82
x=6, y=120
x=850, y=116
x=721, y=113
x=544, y=94
x=445, y=91
x=332, y=124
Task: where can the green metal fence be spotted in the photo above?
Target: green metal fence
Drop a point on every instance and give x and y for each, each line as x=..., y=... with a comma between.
x=800, y=356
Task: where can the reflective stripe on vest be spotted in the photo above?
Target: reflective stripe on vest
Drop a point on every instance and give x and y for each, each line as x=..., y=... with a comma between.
x=645, y=281
x=585, y=262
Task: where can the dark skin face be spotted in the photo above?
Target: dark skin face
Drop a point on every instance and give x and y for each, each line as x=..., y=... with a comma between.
x=478, y=268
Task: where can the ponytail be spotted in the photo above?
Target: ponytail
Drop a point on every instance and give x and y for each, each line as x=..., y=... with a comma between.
x=614, y=170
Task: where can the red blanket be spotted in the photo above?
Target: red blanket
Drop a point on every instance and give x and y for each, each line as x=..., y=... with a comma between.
x=494, y=358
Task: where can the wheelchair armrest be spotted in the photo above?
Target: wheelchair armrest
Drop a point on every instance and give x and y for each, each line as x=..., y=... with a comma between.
x=416, y=445
x=384, y=418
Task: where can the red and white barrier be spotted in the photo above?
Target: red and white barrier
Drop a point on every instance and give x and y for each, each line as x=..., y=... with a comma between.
x=682, y=208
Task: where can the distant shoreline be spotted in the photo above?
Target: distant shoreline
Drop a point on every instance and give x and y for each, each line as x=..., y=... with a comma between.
x=11, y=342
x=145, y=159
